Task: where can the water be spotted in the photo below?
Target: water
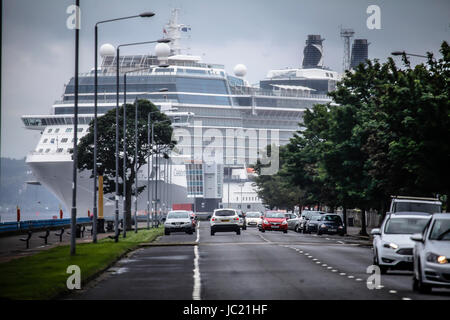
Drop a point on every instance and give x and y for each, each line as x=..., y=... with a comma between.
x=24, y=216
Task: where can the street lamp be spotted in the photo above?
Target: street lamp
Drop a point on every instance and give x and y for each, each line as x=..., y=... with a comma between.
x=73, y=217
x=157, y=167
x=117, y=125
x=401, y=53
x=142, y=15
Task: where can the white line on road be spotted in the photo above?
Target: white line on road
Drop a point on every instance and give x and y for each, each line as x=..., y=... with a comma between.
x=198, y=232
x=406, y=298
x=393, y=291
x=197, y=289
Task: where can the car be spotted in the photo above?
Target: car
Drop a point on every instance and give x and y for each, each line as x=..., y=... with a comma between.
x=178, y=221
x=253, y=218
x=432, y=255
x=392, y=245
x=330, y=224
x=225, y=220
x=293, y=222
x=415, y=204
x=305, y=216
x=273, y=221
x=312, y=223
x=242, y=219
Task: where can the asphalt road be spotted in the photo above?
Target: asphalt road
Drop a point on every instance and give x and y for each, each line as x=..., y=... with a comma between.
x=251, y=266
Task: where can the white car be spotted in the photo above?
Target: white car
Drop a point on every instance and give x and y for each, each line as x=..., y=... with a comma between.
x=225, y=220
x=392, y=245
x=432, y=255
x=253, y=218
x=178, y=221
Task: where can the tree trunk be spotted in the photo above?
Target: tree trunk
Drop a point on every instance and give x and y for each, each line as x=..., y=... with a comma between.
x=130, y=221
x=344, y=215
x=363, y=231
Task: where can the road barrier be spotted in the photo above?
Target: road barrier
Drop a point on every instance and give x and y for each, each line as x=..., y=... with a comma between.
x=38, y=224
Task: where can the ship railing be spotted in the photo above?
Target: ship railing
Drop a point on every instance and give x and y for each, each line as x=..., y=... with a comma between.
x=241, y=90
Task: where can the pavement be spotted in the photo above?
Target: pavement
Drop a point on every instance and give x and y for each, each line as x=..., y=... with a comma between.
x=11, y=247
x=250, y=266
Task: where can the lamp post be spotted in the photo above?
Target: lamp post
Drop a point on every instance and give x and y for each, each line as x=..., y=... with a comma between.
x=401, y=53
x=73, y=218
x=117, y=125
x=157, y=166
x=142, y=15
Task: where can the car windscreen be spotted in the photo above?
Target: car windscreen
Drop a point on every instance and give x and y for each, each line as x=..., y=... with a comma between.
x=441, y=230
x=275, y=215
x=253, y=214
x=405, y=225
x=178, y=215
x=417, y=207
x=224, y=213
x=316, y=218
x=332, y=218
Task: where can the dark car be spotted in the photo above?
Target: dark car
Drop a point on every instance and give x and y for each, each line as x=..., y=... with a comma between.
x=330, y=224
x=312, y=224
x=305, y=217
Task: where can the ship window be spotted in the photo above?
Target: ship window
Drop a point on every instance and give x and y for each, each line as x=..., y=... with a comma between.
x=69, y=130
x=45, y=141
x=49, y=131
x=80, y=129
x=59, y=150
x=40, y=150
x=52, y=140
x=63, y=140
x=56, y=130
x=47, y=150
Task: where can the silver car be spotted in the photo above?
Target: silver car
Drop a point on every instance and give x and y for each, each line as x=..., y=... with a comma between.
x=392, y=245
x=432, y=255
x=178, y=221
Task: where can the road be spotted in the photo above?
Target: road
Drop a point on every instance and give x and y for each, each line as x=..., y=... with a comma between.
x=250, y=266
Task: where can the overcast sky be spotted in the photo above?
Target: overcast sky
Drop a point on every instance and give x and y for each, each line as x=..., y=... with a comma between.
x=38, y=49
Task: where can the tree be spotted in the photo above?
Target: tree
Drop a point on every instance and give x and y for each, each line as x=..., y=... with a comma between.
x=106, y=147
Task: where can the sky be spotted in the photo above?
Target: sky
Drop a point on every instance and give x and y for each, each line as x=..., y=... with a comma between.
x=38, y=48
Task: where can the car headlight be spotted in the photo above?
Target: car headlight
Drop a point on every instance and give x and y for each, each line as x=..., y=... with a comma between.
x=431, y=257
x=391, y=245
x=266, y=222
x=284, y=222
x=323, y=226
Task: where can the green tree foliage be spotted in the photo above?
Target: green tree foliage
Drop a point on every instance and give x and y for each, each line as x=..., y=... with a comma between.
x=385, y=133
x=106, y=146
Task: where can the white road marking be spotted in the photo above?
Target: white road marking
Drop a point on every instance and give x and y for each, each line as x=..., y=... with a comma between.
x=341, y=242
x=350, y=277
x=197, y=289
x=342, y=273
x=406, y=298
x=198, y=232
x=393, y=291
x=359, y=279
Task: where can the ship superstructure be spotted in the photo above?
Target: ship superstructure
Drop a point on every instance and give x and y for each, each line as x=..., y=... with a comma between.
x=204, y=102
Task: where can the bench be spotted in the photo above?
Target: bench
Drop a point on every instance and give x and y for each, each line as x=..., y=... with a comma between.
x=27, y=239
x=60, y=234
x=47, y=233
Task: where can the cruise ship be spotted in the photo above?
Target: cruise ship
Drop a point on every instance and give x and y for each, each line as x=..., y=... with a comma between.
x=205, y=103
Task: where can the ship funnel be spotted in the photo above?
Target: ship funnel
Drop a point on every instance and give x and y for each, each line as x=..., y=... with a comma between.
x=313, y=52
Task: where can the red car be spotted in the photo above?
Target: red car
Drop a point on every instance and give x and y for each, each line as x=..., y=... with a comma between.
x=273, y=221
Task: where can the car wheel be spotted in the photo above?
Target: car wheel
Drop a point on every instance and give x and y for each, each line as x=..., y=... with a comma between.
x=244, y=227
x=167, y=233
x=238, y=231
x=383, y=269
x=319, y=233
x=285, y=231
x=262, y=230
x=212, y=232
x=420, y=286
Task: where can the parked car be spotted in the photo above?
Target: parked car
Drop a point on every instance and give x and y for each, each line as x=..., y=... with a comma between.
x=305, y=216
x=392, y=244
x=242, y=216
x=225, y=220
x=253, y=218
x=432, y=255
x=330, y=224
x=312, y=224
x=178, y=221
x=293, y=222
x=273, y=221
x=415, y=204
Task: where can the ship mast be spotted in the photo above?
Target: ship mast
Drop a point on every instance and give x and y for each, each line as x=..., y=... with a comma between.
x=173, y=31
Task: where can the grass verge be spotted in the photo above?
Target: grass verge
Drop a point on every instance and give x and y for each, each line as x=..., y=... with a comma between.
x=43, y=275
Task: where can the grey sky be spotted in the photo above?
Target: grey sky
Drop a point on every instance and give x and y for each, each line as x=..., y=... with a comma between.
x=38, y=49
